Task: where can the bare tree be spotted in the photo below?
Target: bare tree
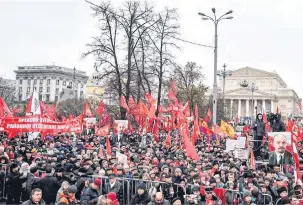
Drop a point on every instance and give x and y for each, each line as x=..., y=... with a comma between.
x=72, y=106
x=8, y=91
x=189, y=80
x=162, y=37
x=121, y=31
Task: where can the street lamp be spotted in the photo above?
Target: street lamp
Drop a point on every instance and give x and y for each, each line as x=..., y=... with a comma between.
x=224, y=73
x=216, y=21
x=252, y=88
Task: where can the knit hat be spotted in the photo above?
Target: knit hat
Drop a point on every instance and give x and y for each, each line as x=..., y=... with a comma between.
x=97, y=182
x=175, y=200
x=113, y=197
x=142, y=186
x=246, y=194
x=72, y=189
x=178, y=170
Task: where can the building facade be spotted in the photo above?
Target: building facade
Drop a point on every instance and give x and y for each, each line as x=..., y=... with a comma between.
x=48, y=81
x=270, y=92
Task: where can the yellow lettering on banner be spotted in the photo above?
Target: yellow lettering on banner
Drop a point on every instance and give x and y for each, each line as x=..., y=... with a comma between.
x=19, y=126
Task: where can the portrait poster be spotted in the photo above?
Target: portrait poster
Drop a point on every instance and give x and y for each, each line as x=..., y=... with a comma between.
x=120, y=126
x=89, y=122
x=271, y=136
x=280, y=149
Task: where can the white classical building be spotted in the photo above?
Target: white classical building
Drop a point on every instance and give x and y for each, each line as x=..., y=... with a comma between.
x=48, y=81
x=271, y=92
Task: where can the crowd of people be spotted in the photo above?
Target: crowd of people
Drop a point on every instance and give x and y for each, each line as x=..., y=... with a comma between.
x=75, y=169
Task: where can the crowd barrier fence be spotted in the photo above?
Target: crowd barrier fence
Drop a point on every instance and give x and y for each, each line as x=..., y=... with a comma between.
x=130, y=186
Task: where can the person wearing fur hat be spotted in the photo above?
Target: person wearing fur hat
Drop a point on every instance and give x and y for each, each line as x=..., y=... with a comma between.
x=64, y=188
x=247, y=199
x=91, y=195
x=141, y=197
x=14, y=185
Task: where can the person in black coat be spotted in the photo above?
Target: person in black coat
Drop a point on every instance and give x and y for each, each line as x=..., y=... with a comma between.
x=259, y=132
x=141, y=197
x=49, y=186
x=14, y=185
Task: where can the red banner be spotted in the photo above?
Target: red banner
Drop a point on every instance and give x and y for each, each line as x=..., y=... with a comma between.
x=39, y=124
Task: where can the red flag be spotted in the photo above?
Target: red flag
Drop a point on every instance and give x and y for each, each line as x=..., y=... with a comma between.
x=4, y=110
x=70, y=117
x=101, y=108
x=172, y=96
x=131, y=103
x=168, y=140
x=209, y=113
x=101, y=155
x=103, y=131
x=174, y=87
x=252, y=160
x=123, y=103
x=87, y=111
x=190, y=148
x=264, y=117
x=29, y=105
x=108, y=147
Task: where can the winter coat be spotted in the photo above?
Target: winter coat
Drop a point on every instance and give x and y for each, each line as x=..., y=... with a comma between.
x=89, y=196
x=49, y=186
x=30, y=202
x=140, y=199
x=117, y=188
x=13, y=187
x=165, y=202
x=30, y=181
x=67, y=198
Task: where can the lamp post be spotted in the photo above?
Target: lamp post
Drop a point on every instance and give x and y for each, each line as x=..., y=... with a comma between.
x=252, y=88
x=224, y=73
x=216, y=21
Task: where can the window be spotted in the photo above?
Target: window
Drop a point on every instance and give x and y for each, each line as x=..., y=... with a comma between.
x=64, y=83
x=41, y=81
x=56, y=98
x=81, y=85
x=48, y=89
x=28, y=81
x=35, y=81
x=40, y=89
x=81, y=93
x=35, y=89
x=47, y=97
x=20, y=90
x=48, y=81
x=20, y=97
x=40, y=97
x=57, y=90
x=20, y=81
x=57, y=82
x=28, y=89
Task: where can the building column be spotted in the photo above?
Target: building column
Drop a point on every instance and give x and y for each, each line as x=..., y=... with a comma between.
x=255, y=105
x=239, y=108
x=263, y=106
x=231, y=108
x=247, y=108
x=272, y=106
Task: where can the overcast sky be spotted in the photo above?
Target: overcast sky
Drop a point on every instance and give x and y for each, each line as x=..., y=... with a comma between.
x=264, y=34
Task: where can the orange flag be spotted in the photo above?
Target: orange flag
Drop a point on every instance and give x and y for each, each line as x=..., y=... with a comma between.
x=277, y=109
x=108, y=147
